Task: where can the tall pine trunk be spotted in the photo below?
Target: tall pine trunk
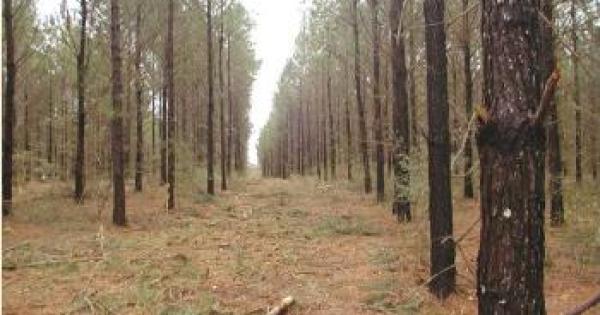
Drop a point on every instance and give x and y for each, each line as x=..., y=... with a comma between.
x=442, y=255
x=400, y=116
x=230, y=112
x=139, y=154
x=332, y=148
x=163, y=130
x=360, y=102
x=576, y=97
x=80, y=154
x=466, y=49
x=223, y=154
x=412, y=85
x=210, y=150
x=378, y=121
x=119, y=217
x=349, y=151
x=511, y=151
x=170, y=109
x=8, y=109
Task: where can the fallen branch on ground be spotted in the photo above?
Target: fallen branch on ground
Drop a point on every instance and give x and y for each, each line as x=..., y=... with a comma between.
x=585, y=306
x=283, y=307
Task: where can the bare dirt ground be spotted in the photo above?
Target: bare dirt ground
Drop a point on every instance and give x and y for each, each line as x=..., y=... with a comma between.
x=329, y=246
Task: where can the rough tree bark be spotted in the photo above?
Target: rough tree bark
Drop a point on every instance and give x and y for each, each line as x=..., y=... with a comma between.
x=119, y=217
x=8, y=109
x=400, y=116
x=359, y=101
x=378, y=121
x=511, y=144
x=80, y=154
x=442, y=255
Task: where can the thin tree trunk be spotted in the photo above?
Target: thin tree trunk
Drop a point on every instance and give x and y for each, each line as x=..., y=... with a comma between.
x=210, y=180
x=80, y=155
x=349, y=151
x=8, y=113
x=171, y=109
x=223, y=154
x=27, y=137
x=153, y=102
x=324, y=125
x=400, y=116
x=230, y=111
x=378, y=122
x=440, y=201
x=331, y=130
x=412, y=86
x=510, y=271
x=548, y=63
x=360, y=102
x=466, y=48
x=163, y=129
x=50, y=151
x=119, y=217
x=139, y=155
x=576, y=98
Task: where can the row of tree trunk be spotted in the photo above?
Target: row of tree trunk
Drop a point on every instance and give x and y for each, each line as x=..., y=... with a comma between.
x=514, y=129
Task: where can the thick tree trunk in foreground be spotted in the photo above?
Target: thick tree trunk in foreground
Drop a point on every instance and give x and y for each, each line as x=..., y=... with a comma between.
x=548, y=63
x=511, y=148
x=466, y=48
x=80, y=154
x=139, y=154
x=360, y=102
x=8, y=110
x=440, y=201
x=119, y=217
x=400, y=117
x=378, y=121
x=171, y=109
x=210, y=150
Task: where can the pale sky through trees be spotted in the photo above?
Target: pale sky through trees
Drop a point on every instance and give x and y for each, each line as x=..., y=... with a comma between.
x=277, y=22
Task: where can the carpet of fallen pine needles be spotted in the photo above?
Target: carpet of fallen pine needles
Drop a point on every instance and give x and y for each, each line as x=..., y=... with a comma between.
x=330, y=247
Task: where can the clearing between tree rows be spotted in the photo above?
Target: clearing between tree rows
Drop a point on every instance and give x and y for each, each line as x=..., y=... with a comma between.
x=330, y=247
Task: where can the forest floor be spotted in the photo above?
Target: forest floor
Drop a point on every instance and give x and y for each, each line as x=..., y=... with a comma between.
x=329, y=246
